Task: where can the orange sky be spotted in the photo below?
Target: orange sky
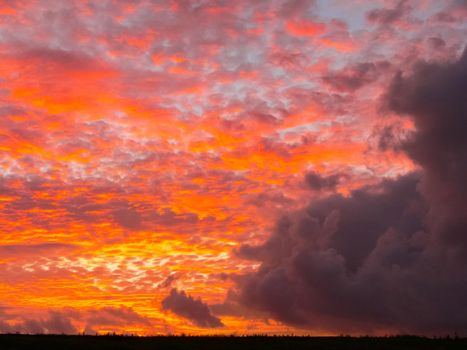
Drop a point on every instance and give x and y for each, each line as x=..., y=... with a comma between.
x=141, y=143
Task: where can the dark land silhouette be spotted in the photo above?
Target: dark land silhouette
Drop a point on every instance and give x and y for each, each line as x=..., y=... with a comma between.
x=116, y=342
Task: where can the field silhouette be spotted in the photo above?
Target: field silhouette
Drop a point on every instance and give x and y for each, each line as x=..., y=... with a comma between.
x=115, y=342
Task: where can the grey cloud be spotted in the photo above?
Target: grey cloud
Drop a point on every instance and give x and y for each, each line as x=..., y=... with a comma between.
x=193, y=309
x=436, y=43
x=389, y=15
x=356, y=76
x=63, y=321
x=110, y=316
x=320, y=182
x=56, y=323
x=435, y=98
x=390, y=257
x=36, y=249
x=168, y=281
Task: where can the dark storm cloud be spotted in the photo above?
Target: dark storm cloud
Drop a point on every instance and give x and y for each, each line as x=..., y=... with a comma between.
x=320, y=182
x=435, y=97
x=193, y=309
x=390, y=257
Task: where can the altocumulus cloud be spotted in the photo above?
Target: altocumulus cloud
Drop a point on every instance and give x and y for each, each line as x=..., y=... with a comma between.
x=195, y=310
x=390, y=257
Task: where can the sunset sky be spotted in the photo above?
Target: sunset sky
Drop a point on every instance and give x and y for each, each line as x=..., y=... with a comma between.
x=219, y=167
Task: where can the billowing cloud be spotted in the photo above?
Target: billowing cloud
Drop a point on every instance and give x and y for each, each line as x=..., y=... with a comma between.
x=435, y=98
x=390, y=256
x=193, y=309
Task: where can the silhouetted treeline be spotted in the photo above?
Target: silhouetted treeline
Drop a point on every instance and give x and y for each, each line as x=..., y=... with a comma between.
x=216, y=342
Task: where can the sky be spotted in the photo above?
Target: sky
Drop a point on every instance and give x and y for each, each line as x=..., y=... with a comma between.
x=233, y=167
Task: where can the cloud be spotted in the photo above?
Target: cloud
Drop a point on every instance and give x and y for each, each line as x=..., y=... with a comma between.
x=389, y=257
x=170, y=279
x=111, y=316
x=193, y=309
x=70, y=321
x=389, y=15
x=436, y=43
x=35, y=249
x=56, y=322
x=318, y=182
x=355, y=77
x=434, y=97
